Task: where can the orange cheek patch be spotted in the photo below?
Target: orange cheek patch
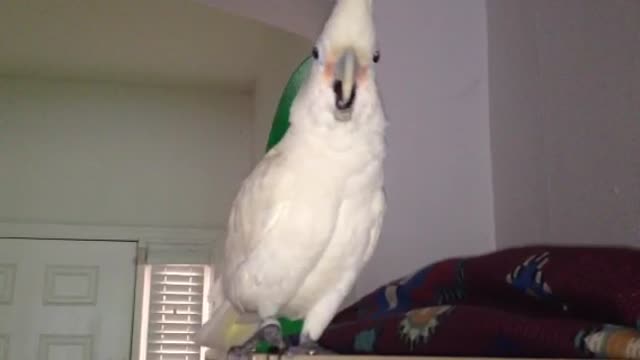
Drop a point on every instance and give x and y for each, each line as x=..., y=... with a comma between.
x=362, y=75
x=328, y=72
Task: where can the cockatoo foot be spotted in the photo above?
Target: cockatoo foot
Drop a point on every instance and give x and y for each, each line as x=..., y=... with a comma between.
x=269, y=331
x=240, y=353
x=272, y=334
x=307, y=347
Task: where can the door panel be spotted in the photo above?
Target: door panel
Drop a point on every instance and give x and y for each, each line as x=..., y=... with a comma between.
x=64, y=299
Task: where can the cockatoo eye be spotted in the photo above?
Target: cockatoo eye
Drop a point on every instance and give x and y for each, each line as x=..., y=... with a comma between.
x=376, y=56
x=315, y=53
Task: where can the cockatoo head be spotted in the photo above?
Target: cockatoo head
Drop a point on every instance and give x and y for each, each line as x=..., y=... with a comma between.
x=341, y=85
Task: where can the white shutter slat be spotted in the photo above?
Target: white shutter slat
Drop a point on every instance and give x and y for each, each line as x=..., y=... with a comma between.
x=177, y=351
x=170, y=312
x=177, y=283
x=173, y=332
x=175, y=311
x=170, y=309
x=177, y=302
x=161, y=292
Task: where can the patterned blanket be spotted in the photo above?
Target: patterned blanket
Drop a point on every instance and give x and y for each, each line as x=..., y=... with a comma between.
x=542, y=301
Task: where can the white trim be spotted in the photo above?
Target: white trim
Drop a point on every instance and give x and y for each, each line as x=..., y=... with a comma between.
x=141, y=328
x=208, y=275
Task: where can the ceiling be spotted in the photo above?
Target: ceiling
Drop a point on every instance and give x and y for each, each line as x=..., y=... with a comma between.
x=176, y=41
x=302, y=17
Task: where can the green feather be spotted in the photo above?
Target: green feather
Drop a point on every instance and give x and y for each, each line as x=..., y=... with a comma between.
x=281, y=120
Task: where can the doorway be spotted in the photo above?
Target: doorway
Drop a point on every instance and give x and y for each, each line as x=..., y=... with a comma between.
x=66, y=299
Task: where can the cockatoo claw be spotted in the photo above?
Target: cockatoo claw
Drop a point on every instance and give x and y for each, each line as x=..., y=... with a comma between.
x=269, y=332
x=307, y=347
x=272, y=334
x=239, y=353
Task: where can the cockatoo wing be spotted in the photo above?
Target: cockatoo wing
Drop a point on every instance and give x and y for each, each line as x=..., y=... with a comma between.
x=281, y=223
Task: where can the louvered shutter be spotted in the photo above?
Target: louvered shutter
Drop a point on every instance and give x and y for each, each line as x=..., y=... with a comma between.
x=175, y=311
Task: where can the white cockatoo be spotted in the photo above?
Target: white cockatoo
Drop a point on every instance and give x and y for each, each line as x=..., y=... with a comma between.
x=308, y=217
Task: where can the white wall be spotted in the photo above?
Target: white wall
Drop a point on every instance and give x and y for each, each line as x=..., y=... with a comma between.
x=110, y=154
x=565, y=100
x=433, y=76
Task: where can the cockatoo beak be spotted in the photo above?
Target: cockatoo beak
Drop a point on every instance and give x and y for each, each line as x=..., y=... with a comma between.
x=344, y=83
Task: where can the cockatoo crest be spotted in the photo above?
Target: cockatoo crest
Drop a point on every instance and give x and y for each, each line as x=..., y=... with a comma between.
x=349, y=25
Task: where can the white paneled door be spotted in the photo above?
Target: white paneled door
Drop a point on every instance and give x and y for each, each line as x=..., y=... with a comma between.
x=66, y=300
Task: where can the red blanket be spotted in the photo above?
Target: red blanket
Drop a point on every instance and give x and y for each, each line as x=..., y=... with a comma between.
x=542, y=301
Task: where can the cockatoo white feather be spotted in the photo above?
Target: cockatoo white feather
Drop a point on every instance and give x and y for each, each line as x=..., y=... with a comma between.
x=308, y=217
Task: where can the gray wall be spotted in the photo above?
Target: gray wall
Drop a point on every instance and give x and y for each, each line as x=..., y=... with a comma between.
x=112, y=154
x=565, y=120
x=433, y=75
